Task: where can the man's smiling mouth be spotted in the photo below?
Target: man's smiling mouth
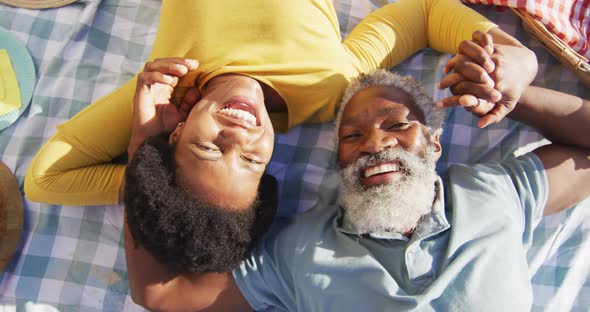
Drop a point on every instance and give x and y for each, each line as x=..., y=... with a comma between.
x=381, y=169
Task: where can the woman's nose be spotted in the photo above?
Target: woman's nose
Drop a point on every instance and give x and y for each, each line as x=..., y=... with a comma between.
x=239, y=135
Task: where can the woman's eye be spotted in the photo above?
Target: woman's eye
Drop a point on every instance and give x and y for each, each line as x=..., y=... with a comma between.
x=207, y=148
x=251, y=160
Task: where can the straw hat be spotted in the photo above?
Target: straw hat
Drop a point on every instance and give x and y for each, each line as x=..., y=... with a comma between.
x=11, y=215
x=37, y=4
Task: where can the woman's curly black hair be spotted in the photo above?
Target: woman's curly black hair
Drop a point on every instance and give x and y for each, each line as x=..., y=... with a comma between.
x=181, y=231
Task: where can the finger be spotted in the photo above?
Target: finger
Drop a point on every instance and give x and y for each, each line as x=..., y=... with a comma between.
x=476, y=106
x=449, y=65
x=473, y=72
x=172, y=66
x=477, y=55
x=447, y=102
x=190, y=63
x=450, y=80
x=486, y=120
x=142, y=110
x=166, y=66
x=469, y=102
x=160, y=93
x=151, y=77
x=484, y=40
x=495, y=115
x=481, y=91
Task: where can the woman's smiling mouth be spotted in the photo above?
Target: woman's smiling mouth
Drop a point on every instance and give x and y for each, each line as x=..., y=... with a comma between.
x=240, y=110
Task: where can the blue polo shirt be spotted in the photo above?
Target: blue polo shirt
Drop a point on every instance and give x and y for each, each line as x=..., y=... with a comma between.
x=468, y=254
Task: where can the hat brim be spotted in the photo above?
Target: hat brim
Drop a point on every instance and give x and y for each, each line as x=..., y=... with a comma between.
x=24, y=68
x=11, y=215
x=37, y=4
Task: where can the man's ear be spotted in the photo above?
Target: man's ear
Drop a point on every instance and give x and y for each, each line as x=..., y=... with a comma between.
x=435, y=141
x=175, y=135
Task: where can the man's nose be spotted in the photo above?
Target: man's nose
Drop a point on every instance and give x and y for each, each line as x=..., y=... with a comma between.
x=377, y=141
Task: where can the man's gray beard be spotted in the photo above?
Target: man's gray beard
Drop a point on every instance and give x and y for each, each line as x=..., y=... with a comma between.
x=393, y=207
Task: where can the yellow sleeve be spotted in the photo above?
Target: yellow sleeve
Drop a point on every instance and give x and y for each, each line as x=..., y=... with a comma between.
x=75, y=167
x=394, y=32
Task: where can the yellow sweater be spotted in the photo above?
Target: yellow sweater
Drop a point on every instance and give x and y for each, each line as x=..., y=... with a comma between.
x=293, y=46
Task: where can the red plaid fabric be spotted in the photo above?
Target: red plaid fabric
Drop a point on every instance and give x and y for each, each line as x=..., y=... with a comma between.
x=568, y=19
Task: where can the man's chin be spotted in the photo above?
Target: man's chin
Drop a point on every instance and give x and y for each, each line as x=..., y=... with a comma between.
x=392, y=201
x=386, y=208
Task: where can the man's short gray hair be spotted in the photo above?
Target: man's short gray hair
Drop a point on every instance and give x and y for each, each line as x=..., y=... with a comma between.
x=433, y=116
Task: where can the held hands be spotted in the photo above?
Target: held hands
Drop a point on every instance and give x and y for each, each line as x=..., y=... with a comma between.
x=488, y=79
x=153, y=111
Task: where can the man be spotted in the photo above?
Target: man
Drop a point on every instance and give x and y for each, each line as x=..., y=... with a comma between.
x=400, y=237
x=403, y=239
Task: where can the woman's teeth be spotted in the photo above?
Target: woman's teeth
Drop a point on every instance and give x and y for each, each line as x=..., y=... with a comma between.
x=240, y=114
x=379, y=169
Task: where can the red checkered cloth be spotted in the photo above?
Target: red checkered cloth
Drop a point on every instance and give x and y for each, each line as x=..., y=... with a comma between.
x=568, y=19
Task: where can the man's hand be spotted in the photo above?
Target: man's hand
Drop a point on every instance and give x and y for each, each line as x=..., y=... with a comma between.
x=153, y=112
x=489, y=91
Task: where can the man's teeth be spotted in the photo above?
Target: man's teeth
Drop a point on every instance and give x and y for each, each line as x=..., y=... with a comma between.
x=240, y=114
x=371, y=171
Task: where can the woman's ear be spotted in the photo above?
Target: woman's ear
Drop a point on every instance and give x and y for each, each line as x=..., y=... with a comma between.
x=175, y=134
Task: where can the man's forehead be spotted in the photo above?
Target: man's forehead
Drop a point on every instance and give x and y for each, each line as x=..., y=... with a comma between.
x=379, y=99
x=376, y=93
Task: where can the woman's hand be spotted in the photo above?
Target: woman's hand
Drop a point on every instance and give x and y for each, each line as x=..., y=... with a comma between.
x=153, y=111
x=489, y=91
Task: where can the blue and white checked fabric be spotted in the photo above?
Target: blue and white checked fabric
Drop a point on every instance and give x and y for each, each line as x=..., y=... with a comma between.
x=72, y=258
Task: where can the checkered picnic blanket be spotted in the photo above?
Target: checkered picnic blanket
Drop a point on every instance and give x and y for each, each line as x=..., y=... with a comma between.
x=568, y=19
x=72, y=258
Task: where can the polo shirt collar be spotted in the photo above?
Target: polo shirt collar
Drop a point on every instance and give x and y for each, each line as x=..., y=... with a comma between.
x=432, y=224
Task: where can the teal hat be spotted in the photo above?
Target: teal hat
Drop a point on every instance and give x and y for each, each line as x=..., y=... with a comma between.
x=24, y=69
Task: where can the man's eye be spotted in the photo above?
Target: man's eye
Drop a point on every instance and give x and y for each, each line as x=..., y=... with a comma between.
x=398, y=126
x=350, y=136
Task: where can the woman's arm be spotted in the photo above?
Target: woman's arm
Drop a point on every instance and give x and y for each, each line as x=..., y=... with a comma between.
x=75, y=166
x=394, y=32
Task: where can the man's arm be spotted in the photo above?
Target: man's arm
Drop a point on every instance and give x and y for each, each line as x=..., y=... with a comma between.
x=564, y=120
x=489, y=91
